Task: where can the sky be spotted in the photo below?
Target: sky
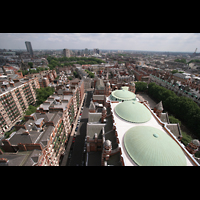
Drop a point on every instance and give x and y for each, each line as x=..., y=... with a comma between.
x=181, y=42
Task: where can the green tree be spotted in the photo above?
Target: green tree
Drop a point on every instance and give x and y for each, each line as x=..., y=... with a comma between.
x=75, y=74
x=43, y=94
x=174, y=120
x=30, y=64
x=31, y=109
x=182, y=107
x=186, y=138
x=180, y=60
x=140, y=86
x=174, y=71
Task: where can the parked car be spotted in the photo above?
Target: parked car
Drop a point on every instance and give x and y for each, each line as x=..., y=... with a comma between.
x=73, y=140
x=76, y=128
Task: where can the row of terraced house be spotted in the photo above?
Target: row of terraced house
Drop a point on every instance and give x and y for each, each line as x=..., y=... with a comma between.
x=41, y=140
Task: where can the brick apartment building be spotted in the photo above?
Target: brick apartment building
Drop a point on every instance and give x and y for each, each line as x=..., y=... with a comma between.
x=44, y=77
x=42, y=132
x=65, y=100
x=15, y=97
x=41, y=139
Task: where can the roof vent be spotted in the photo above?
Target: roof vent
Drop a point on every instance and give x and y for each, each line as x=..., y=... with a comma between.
x=155, y=135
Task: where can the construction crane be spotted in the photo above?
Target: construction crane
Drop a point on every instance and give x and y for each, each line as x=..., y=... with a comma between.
x=194, y=54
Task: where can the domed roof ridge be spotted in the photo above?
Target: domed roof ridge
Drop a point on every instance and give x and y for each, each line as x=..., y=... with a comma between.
x=133, y=111
x=149, y=146
x=122, y=95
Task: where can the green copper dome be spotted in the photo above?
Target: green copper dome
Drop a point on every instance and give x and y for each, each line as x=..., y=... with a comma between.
x=122, y=95
x=133, y=111
x=148, y=146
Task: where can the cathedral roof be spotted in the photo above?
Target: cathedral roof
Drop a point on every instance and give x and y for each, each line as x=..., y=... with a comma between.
x=149, y=146
x=120, y=95
x=133, y=111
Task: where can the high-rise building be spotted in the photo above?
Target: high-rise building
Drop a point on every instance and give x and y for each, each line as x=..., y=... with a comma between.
x=66, y=52
x=96, y=51
x=15, y=98
x=29, y=48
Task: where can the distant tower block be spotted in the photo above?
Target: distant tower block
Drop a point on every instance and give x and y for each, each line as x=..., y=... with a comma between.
x=66, y=53
x=29, y=48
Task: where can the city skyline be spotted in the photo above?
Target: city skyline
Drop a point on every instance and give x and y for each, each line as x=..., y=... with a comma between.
x=173, y=42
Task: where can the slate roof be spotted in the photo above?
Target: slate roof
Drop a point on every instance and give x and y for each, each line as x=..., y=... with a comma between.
x=94, y=128
x=15, y=159
x=159, y=106
x=181, y=75
x=32, y=158
x=94, y=117
x=99, y=85
x=45, y=136
x=175, y=129
x=92, y=106
x=35, y=133
x=19, y=137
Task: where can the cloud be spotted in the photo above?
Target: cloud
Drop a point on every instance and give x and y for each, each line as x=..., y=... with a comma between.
x=121, y=41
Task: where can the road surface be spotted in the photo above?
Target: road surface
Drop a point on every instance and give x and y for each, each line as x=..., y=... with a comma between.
x=77, y=155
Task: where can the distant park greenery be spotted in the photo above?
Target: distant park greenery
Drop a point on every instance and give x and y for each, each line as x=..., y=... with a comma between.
x=91, y=75
x=176, y=71
x=180, y=60
x=184, y=61
x=194, y=61
x=183, y=108
x=33, y=71
x=65, y=61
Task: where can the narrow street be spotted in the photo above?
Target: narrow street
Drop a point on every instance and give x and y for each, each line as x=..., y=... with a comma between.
x=77, y=156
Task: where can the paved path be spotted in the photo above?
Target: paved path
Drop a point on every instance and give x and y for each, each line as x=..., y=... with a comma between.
x=146, y=97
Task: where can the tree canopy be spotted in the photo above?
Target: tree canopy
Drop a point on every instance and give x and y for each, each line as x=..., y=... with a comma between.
x=91, y=75
x=182, y=107
x=43, y=94
x=140, y=86
x=65, y=61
